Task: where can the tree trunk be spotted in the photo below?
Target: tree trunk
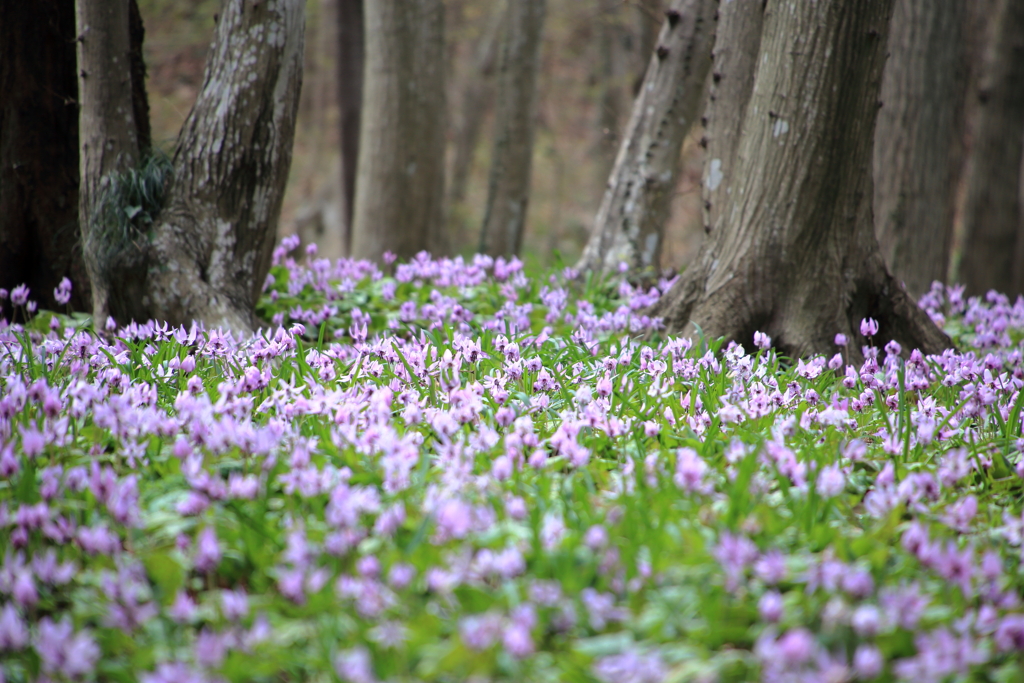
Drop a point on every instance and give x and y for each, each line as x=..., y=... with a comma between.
x=630, y=223
x=39, y=157
x=796, y=255
x=993, y=245
x=734, y=59
x=475, y=98
x=39, y=153
x=918, y=140
x=211, y=248
x=608, y=72
x=508, y=191
x=107, y=135
x=400, y=191
x=351, y=49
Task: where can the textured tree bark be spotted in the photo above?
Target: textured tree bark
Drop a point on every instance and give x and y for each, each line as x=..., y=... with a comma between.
x=993, y=255
x=400, y=188
x=630, y=223
x=211, y=248
x=919, y=140
x=351, y=51
x=734, y=58
x=508, y=191
x=796, y=255
x=107, y=134
x=39, y=157
x=39, y=242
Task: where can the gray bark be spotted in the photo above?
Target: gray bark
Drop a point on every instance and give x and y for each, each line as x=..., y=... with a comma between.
x=400, y=187
x=919, y=140
x=212, y=246
x=351, y=52
x=796, y=255
x=509, y=185
x=630, y=223
x=734, y=58
x=107, y=135
x=993, y=245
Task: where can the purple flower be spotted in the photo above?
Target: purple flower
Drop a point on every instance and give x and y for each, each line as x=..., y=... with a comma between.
x=19, y=295
x=518, y=641
x=355, y=666
x=234, y=605
x=207, y=551
x=840, y=339
x=869, y=327
x=867, y=661
x=13, y=630
x=62, y=651
x=183, y=609
x=762, y=340
x=831, y=481
x=631, y=666
x=770, y=606
x=62, y=293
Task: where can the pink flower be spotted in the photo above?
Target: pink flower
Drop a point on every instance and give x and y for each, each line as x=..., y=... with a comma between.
x=869, y=327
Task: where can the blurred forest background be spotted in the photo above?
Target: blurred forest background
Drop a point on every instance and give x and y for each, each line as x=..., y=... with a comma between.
x=593, y=58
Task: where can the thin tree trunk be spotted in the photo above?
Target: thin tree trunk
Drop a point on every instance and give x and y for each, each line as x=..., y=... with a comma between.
x=39, y=242
x=918, y=141
x=608, y=72
x=630, y=223
x=796, y=256
x=400, y=192
x=992, y=256
x=351, y=51
x=508, y=191
x=475, y=98
x=212, y=245
x=734, y=58
x=107, y=136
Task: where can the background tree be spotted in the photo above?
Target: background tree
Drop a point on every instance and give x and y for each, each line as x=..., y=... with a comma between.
x=919, y=140
x=351, y=51
x=477, y=96
x=109, y=146
x=39, y=238
x=400, y=188
x=796, y=255
x=630, y=223
x=993, y=256
x=508, y=191
x=205, y=256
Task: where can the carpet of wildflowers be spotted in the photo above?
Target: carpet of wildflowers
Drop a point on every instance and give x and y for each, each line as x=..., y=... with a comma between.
x=457, y=473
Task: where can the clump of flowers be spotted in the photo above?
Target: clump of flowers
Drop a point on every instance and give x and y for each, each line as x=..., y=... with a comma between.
x=458, y=472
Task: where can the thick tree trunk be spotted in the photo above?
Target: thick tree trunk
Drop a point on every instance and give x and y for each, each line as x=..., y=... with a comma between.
x=918, y=140
x=212, y=245
x=630, y=223
x=993, y=255
x=39, y=241
x=734, y=58
x=796, y=255
x=107, y=134
x=508, y=191
x=351, y=50
x=400, y=188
